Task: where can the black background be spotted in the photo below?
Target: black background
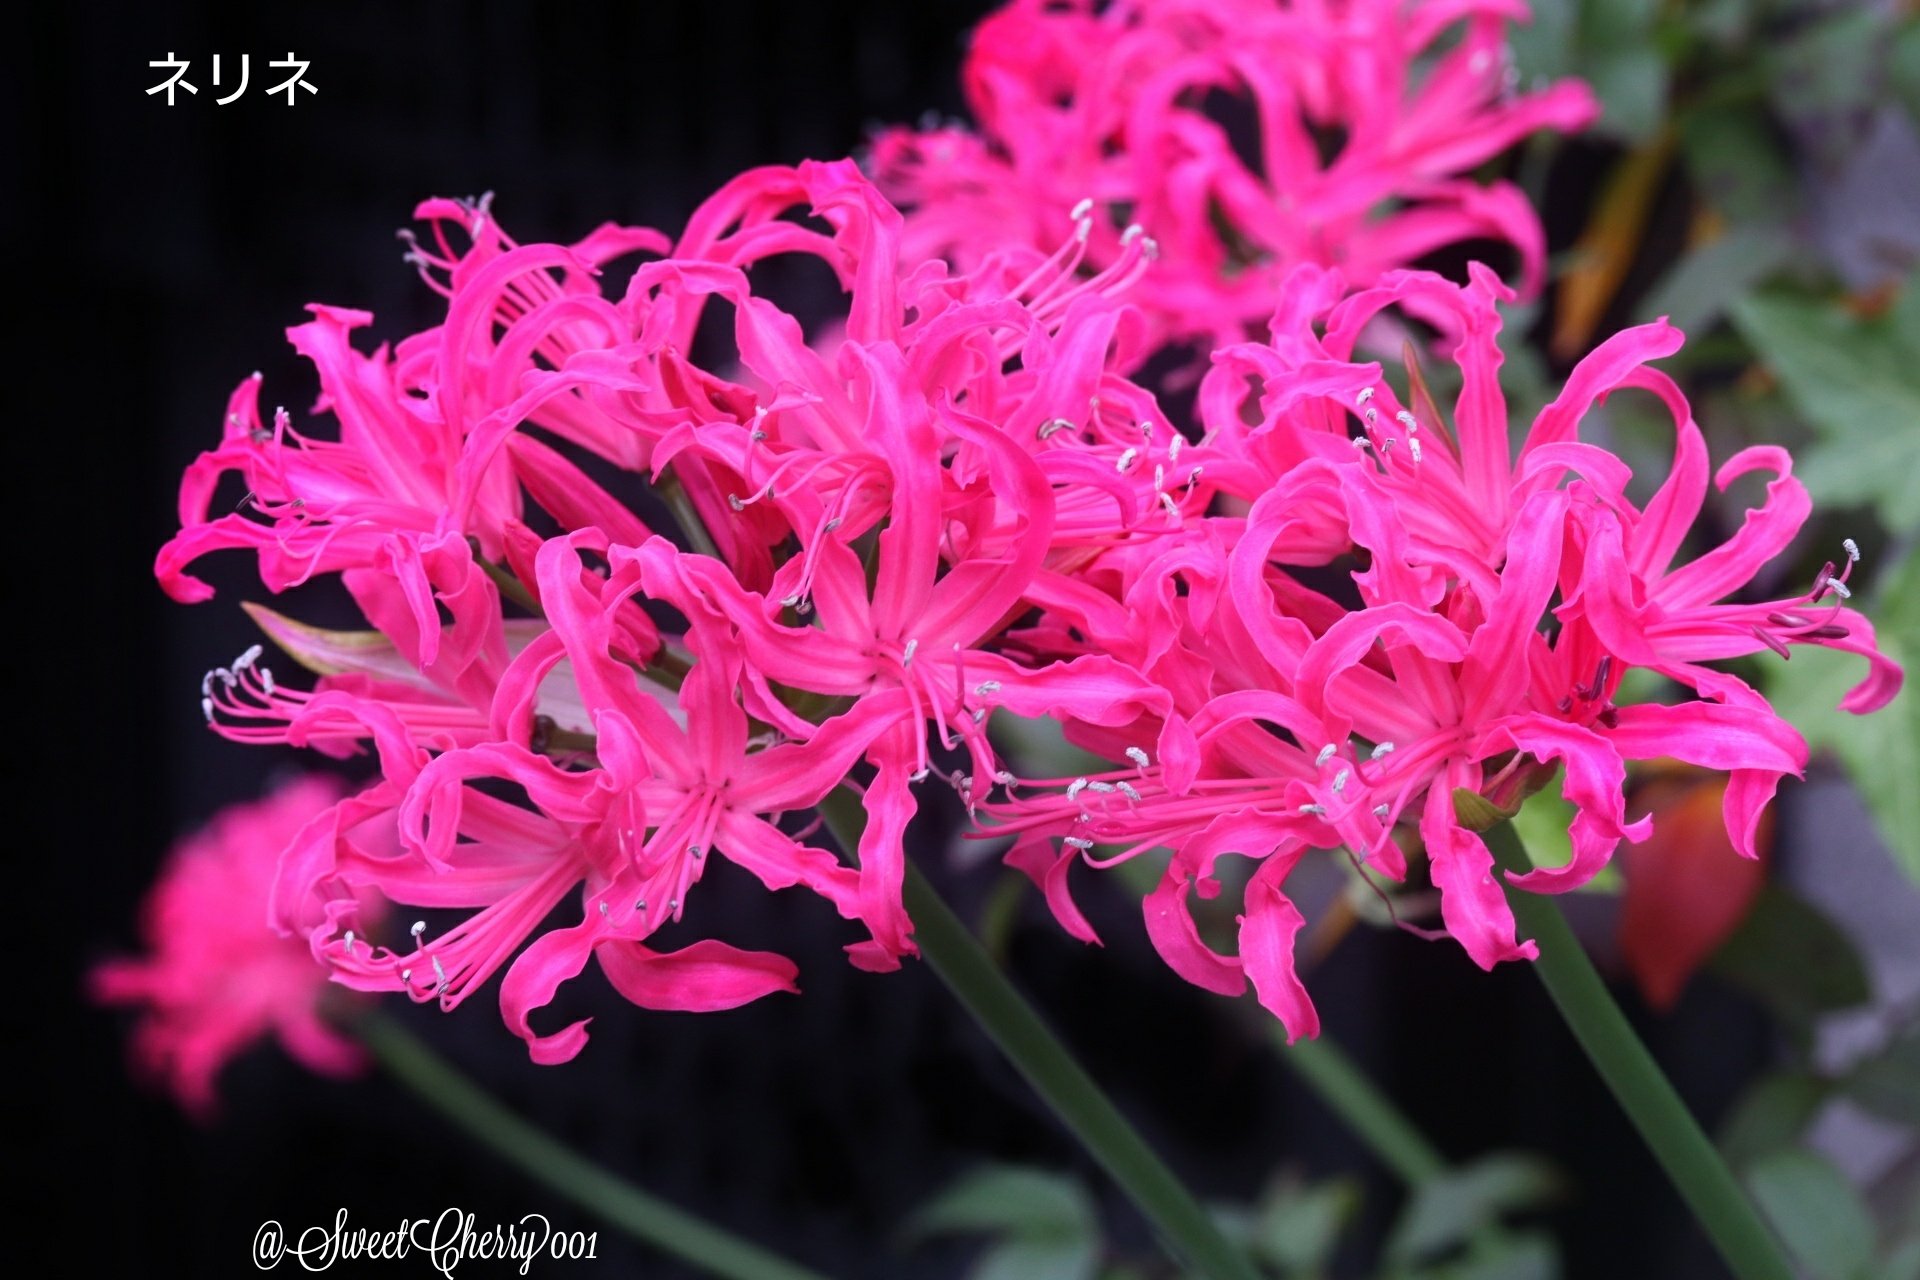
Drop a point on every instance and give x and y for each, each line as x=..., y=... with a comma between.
x=164, y=252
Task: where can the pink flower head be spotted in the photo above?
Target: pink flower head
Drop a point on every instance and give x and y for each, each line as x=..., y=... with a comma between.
x=1501, y=601
x=1246, y=136
x=217, y=976
x=923, y=434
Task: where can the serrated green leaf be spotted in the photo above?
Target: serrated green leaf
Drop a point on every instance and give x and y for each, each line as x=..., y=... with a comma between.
x=1858, y=382
x=1819, y=1215
x=1444, y=1212
x=1030, y=1204
x=1772, y=1114
x=1794, y=959
x=1707, y=280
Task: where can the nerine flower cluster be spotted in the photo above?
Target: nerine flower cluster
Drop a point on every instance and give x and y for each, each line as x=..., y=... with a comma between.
x=1294, y=620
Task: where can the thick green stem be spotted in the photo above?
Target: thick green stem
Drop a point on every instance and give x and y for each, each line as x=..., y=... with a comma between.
x=551, y=1163
x=1350, y=1095
x=1643, y=1091
x=960, y=961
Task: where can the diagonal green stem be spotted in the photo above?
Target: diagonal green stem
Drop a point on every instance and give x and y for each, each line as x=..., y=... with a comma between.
x=644, y=1217
x=1347, y=1092
x=1019, y=1032
x=1643, y=1091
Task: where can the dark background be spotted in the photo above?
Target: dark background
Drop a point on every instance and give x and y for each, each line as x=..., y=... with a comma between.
x=165, y=251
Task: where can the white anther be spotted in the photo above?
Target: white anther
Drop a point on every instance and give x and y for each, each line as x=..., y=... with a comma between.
x=1340, y=781
x=1371, y=415
x=733, y=500
x=604, y=908
x=1381, y=811
x=1406, y=419
x=1166, y=500
x=1381, y=751
x=1840, y=588
x=1128, y=790
x=1362, y=443
x=1079, y=842
x=439, y=974
x=1852, y=549
x=406, y=975
x=1193, y=476
x=1366, y=394
x=266, y=679
x=695, y=851
x=1386, y=446
x=206, y=709
x=757, y=434
x=1133, y=232
x=1082, y=209
x=919, y=775
x=1003, y=778
x=640, y=905
x=790, y=601
x=673, y=905
x=1052, y=425
x=1138, y=756
x=986, y=687
x=247, y=659
x=1313, y=810
x=1326, y=754
x=1159, y=477
x=1174, y=446
x=833, y=524
x=349, y=942
x=1075, y=787
x=906, y=654
x=419, y=927
x=1102, y=787
x=1413, y=447
x=1126, y=459
x=1083, y=229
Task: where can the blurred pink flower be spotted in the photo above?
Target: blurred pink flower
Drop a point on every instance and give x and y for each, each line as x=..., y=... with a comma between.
x=218, y=976
x=1246, y=136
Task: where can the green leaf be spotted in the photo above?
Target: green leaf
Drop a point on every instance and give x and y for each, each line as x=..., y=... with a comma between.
x=1739, y=165
x=1793, y=958
x=1444, y=1212
x=1707, y=280
x=1022, y=1259
x=1903, y=67
x=1888, y=1083
x=1833, y=66
x=1903, y=1262
x=1817, y=1213
x=1858, y=381
x=1030, y=1204
x=1881, y=751
x=1298, y=1226
x=1772, y=1114
x=1518, y=1255
x=1631, y=84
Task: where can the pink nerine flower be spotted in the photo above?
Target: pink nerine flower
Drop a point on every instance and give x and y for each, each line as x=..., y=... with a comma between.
x=1500, y=602
x=1246, y=135
x=218, y=976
